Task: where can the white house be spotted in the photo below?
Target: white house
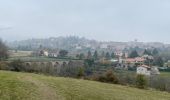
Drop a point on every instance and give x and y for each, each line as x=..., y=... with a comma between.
x=118, y=53
x=53, y=54
x=155, y=70
x=146, y=70
x=45, y=53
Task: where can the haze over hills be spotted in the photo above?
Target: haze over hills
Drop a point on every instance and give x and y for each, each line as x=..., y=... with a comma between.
x=74, y=42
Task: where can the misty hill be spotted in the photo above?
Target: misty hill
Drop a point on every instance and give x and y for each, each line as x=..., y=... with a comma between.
x=53, y=42
x=73, y=43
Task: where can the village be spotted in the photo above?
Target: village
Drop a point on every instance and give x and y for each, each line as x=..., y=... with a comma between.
x=122, y=61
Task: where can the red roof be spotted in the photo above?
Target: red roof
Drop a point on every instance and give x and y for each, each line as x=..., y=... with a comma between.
x=137, y=59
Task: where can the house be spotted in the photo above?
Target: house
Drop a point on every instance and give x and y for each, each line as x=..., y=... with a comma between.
x=154, y=70
x=53, y=55
x=43, y=53
x=148, y=57
x=118, y=53
x=146, y=70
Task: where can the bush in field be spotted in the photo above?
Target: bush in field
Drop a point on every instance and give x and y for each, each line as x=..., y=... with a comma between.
x=17, y=66
x=63, y=53
x=141, y=81
x=80, y=72
x=108, y=77
x=4, y=66
x=126, y=79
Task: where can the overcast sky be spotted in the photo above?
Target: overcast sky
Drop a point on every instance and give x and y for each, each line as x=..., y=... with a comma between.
x=110, y=20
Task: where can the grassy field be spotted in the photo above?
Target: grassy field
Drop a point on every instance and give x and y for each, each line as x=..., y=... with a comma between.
x=165, y=74
x=19, y=53
x=38, y=59
x=32, y=59
x=24, y=86
x=26, y=56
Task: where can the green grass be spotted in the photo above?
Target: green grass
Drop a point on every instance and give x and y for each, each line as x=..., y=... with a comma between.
x=19, y=53
x=32, y=59
x=38, y=59
x=165, y=74
x=24, y=86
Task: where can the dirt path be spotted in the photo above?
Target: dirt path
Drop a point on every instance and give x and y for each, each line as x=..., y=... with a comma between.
x=46, y=92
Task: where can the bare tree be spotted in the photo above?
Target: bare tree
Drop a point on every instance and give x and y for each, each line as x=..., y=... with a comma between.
x=3, y=51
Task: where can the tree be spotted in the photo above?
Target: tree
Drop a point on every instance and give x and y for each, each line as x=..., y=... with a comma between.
x=134, y=54
x=80, y=72
x=147, y=52
x=89, y=55
x=3, y=51
x=110, y=77
x=95, y=56
x=16, y=65
x=141, y=81
x=108, y=55
x=78, y=56
x=81, y=56
x=148, y=62
x=155, y=52
x=63, y=53
x=103, y=54
x=158, y=61
x=112, y=55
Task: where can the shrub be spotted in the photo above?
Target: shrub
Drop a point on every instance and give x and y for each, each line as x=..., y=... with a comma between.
x=16, y=65
x=126, y=79
x=4, y=66
x=80, y=72
x=108, y=77
x=141, y=81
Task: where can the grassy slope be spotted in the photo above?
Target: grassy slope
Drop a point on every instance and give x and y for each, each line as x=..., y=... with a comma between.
x=23, y=86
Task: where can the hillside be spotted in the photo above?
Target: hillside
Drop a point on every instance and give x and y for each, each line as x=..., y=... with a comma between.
x=24, y=86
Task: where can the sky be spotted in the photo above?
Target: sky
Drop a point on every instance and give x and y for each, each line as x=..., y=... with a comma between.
x=104, y=20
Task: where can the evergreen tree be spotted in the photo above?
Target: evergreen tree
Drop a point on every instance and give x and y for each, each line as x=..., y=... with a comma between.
x=159, y=61
x=95, y=56
x=81, y=56
x=108, y=55
x=89, y=55
x=147, y=52
x=112, y=55
x=155, y=52
x=134, y=54
x=103, y=54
